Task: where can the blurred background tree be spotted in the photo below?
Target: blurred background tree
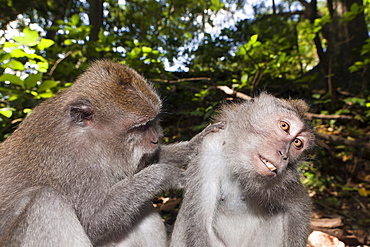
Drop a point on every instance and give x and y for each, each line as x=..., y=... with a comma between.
x=203, y=53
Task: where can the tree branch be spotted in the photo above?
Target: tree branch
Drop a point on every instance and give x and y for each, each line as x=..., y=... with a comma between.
x=230, y=91
x=304, y=3
x=290, y=13
x=57, y=62
x=322, y=116
x=343, y=141
x=185, y=79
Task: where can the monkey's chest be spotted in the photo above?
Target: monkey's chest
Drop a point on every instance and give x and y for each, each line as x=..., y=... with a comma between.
x=237, y=223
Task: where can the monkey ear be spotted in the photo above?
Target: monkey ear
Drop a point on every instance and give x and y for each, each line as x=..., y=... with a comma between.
x=300, y=105
x=81, y=112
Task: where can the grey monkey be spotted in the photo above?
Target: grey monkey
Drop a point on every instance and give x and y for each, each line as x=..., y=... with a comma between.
x=243, y=187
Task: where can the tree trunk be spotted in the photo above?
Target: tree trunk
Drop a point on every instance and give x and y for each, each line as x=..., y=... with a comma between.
x=95, y=18
x=345, y=40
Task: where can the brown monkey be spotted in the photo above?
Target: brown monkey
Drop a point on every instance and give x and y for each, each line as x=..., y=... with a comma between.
x=243, y=188
x=79, y=170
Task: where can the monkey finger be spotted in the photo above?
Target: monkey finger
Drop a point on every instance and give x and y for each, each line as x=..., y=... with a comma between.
x=214, y=128
x=217, y=126
x=174, y=177
x=180, y=183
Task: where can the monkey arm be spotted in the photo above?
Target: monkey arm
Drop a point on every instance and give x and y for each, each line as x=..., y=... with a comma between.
x=127, y=200
x=194, y=222
x=180, y=154
x=199, y=231
x=297, y=219
x=44, y=218
x=194, y=226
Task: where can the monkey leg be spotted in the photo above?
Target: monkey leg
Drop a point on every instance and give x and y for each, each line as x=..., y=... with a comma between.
x=47, y=220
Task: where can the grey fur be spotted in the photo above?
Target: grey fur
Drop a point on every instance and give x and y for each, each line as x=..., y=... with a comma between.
x=231, y=198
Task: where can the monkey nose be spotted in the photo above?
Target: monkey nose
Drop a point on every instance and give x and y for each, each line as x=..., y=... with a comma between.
x=285, y=157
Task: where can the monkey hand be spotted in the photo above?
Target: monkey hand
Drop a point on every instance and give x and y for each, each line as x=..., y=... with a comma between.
x=197, y=140
x=213, y=128
x=180, y=154
x=171, y=176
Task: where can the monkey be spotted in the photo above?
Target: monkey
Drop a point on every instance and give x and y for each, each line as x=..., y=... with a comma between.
x=243, y=187
x=82, y=168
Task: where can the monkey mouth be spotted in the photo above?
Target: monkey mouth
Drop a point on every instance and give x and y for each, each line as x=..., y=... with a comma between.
x=268, y=164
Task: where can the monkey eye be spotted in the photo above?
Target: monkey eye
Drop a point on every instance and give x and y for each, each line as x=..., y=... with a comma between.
x=298, y=143
x=284, y=125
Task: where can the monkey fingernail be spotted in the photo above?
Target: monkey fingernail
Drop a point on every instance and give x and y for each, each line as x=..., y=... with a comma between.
x=218, y=126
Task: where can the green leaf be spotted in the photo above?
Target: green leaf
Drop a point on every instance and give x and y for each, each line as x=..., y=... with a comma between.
x=27, y=110
x=7, y=112
x=75, y=19
x=10, y=45
x=355, y=100
x=316, y=96
x=13, y=97
x=147, y=49
x=18, y=53
x=135, y=52
x=244, y=78
x=4, y=57
x=12, y=79
x=216, y=5
x=14, y=64
x=29, y=38
x=68, y=42
x=47, y=84
x=42, y=66
x=32, y=80
x=253, y=39
x=46, y=95
x=45, y=43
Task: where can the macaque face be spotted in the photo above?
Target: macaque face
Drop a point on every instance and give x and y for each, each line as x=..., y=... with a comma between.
x=127, y=121
x=149, y=136
x=268, y=135
x=282, y=139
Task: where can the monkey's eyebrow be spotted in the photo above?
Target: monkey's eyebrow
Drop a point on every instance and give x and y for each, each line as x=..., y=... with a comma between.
x=305, y=129
x=140, y=125
x=143, y=124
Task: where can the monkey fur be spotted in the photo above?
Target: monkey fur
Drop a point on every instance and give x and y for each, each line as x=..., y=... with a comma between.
x=243, y=187
x=81, y=169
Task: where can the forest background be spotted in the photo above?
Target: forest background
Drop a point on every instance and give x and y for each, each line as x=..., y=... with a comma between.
x=200, y=54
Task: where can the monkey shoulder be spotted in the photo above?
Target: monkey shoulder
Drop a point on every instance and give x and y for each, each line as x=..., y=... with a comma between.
x=213, y=143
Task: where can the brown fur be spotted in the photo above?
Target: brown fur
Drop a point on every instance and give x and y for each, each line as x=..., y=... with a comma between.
x=79, y=170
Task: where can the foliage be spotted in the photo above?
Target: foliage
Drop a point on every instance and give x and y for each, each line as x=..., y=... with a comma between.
x=365, y=55
x=21, y=83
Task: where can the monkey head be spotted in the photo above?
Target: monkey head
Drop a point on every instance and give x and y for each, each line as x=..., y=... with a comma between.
x=109, y=114
x=269, y=136
x=124, y=106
